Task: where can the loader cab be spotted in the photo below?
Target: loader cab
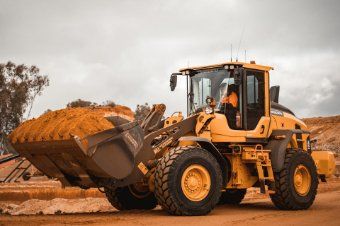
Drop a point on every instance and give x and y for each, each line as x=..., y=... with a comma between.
x=250, y=84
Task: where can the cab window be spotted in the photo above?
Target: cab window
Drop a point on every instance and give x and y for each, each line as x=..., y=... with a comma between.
x=255, y=103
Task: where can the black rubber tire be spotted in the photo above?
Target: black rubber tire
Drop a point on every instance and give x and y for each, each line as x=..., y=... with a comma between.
x=124, y=199
x=232, y=196
x=168, y=176
x=285, y=197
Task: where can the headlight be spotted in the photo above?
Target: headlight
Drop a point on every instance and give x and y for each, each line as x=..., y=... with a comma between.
x=208, y=110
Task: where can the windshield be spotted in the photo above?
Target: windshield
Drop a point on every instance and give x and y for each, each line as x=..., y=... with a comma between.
x=209, y=83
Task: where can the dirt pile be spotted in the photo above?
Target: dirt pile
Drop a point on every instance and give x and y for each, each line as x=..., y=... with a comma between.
x=43, y=189
x=326, y=130
x=57, y=206
x=65, y=123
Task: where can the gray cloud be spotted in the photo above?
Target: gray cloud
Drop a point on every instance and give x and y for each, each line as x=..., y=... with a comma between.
x=126, y=50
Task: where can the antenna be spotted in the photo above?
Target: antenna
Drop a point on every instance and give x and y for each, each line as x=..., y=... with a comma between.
x=231, y=52
x=239, y=43
x=245, y=55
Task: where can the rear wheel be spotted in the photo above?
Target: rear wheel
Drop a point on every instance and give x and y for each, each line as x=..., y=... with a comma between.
x=131, y=197
x=296, y=185
x=232, y=196
x=188, y=181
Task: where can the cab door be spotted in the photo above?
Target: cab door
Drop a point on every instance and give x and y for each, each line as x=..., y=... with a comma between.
x=256, y=118
x=254, y=109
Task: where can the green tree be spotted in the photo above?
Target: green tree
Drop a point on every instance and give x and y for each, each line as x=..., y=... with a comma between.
x=109, y=103
x=81, y=103
x=47, y=111
x=142, y=110
x=19, y=86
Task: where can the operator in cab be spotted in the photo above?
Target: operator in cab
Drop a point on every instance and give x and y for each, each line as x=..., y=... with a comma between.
x=230, y=103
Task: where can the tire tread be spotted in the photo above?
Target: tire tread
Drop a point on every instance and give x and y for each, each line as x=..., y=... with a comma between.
x=283, y=197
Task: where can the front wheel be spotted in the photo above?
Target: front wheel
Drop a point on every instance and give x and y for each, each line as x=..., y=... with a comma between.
x=296, y=185
x=188, y=181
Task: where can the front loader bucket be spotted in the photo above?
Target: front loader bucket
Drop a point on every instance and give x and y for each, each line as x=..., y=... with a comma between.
x=114, y=150
x=111, y=157
x=107, y=154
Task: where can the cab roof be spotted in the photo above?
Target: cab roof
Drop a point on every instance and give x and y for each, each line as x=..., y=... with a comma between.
x=251, y=65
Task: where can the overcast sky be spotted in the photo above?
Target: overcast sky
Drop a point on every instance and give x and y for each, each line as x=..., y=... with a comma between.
x=125, y=51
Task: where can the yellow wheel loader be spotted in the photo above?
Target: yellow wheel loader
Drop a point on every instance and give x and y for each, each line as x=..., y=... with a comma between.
x=236, y=136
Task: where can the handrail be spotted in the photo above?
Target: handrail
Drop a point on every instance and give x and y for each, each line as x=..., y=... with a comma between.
x=9, y=158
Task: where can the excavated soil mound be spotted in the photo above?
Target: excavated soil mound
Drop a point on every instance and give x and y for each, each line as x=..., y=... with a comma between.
x=326, y=131
x=65, y=123
x=57, y=206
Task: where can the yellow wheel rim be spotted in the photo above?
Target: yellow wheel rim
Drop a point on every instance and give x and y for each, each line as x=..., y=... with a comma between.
x=302, y=180
x=196, y=182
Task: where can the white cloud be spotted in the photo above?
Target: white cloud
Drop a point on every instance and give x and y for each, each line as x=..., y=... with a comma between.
x=126, y=50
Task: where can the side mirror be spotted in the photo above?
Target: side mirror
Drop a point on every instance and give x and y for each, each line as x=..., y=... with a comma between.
x=173, y=81
x=274, y=93
x=238, y=75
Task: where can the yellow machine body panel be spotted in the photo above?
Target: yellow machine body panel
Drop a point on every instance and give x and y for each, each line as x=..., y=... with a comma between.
x=241, y=64
x=218, y=129
x=325, y=162
x=221, y=132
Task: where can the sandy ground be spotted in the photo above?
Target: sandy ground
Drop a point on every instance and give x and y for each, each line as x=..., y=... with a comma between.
x=40, y=189
x=255, y=210
x=325, y=211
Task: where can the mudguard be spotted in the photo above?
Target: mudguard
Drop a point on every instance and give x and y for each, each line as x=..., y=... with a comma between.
x=210, y=147
x=278, y=144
